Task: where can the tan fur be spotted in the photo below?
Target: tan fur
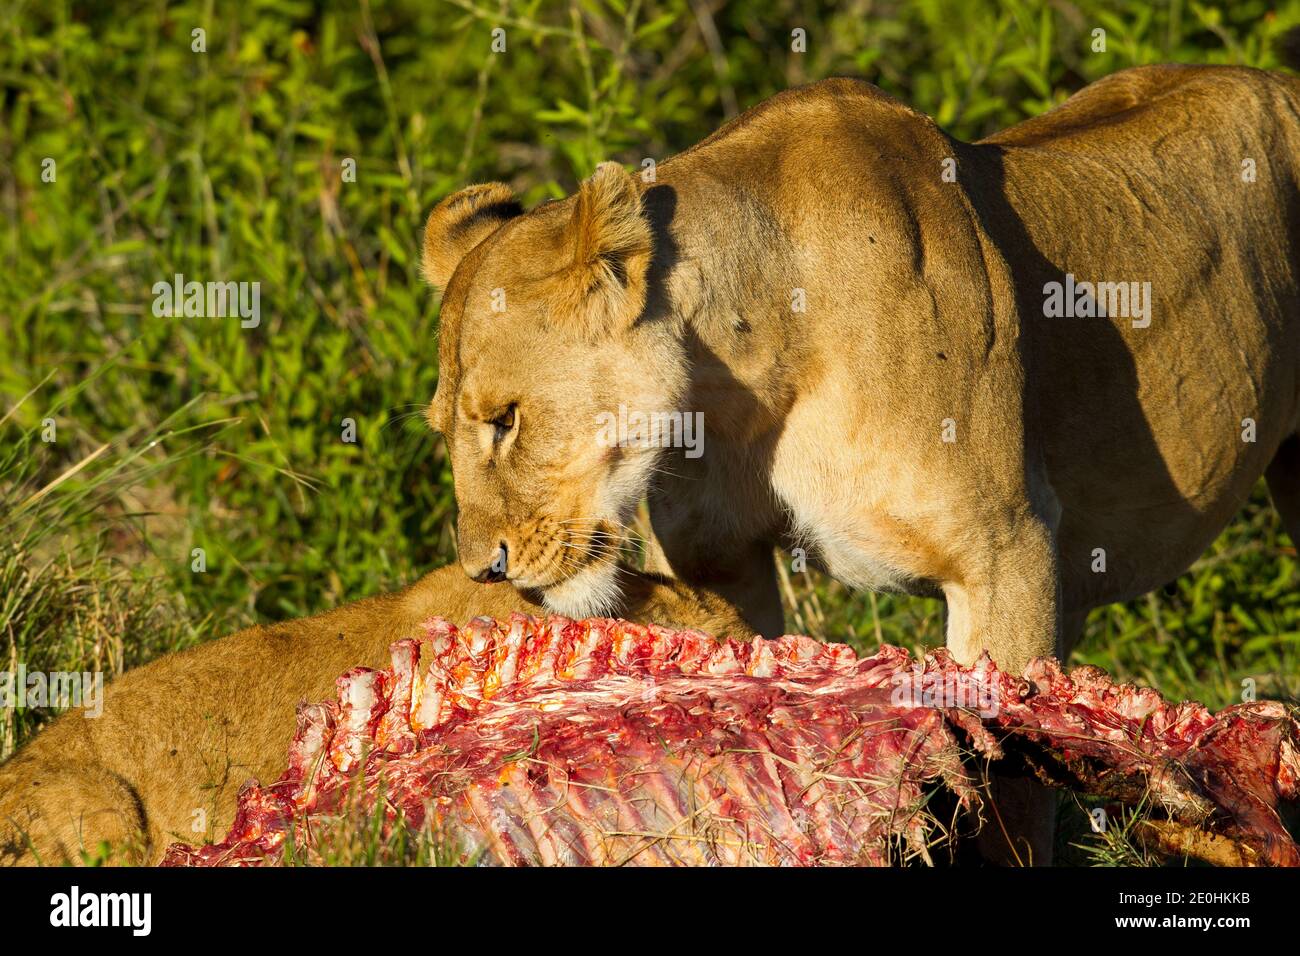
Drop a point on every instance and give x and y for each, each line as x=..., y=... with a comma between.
x=459, y=222
x=179, y=736
x=925, y=307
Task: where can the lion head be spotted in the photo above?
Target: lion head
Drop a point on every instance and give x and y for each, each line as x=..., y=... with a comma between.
x=545, y=336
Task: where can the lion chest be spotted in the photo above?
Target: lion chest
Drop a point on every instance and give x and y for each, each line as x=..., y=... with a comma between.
x=846, y=513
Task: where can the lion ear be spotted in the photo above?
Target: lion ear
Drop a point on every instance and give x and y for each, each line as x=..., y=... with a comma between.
x=612, y=244
x=459, y=223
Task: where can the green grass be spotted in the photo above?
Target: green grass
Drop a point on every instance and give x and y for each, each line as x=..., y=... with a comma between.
x=177, y=434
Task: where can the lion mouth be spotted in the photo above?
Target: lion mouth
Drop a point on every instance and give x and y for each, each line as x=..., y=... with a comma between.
x=570, y=549
x=584, y=574
x=594, y=591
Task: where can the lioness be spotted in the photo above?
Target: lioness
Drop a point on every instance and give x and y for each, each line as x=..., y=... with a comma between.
x=179, y=736
x=911, y=353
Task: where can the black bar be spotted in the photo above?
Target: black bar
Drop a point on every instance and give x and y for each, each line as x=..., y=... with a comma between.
x=512, y=907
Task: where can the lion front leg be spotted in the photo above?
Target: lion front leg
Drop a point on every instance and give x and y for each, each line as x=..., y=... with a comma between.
x=1007, y=599
x=1012, y=611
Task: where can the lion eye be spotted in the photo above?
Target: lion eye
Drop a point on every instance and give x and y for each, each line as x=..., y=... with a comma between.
x=503, y=424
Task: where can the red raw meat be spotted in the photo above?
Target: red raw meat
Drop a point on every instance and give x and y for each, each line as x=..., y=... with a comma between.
x=604, y=742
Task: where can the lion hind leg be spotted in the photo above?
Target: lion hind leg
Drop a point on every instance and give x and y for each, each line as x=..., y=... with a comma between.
x=52, y=813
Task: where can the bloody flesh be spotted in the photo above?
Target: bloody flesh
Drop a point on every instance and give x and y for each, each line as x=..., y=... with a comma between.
x=603, y=742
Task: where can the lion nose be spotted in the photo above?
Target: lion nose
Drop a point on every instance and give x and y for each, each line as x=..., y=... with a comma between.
x=496, y=570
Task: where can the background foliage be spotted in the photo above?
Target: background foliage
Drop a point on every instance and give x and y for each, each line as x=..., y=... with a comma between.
x=175, y=434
